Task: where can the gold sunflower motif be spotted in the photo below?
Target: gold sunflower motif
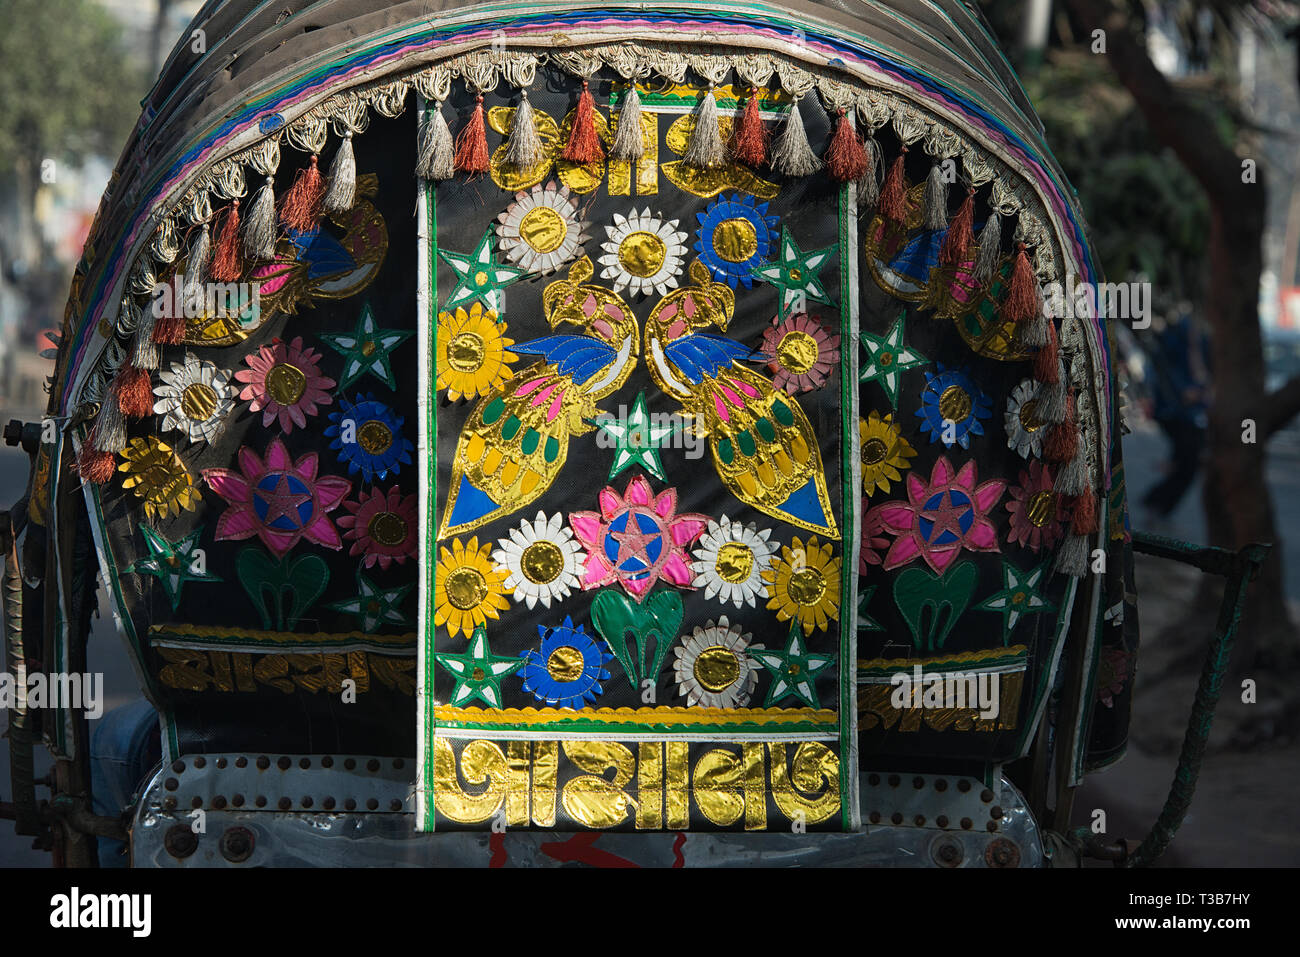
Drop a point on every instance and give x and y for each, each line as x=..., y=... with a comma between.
x=884, y=452
x=804, y=584
x=472, y=352
x=158, y=477
x=468, y=588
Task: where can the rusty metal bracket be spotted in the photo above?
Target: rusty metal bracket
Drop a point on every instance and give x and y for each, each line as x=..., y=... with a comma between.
x=1239, y=568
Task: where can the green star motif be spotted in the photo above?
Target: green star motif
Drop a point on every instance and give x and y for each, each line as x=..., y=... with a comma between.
x=794, y=671
x=478, y=672
x=367, y=349
x=865, y=621
x=1020, y=595
x=795, y=273
x=480, y=276
x=887, y=357
x=173, y=563
x=375, y=607
x=636, y=440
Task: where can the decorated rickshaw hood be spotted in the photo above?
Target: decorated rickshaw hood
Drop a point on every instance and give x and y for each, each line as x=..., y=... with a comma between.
x=269, y=70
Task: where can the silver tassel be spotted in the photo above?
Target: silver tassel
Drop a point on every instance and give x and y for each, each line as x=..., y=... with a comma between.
x=1073, y=477
x=109, y=433
x=437, y=157
x=145, y=352
x=990, y=249
x=869, y=185
x=259, y=227
x=1072, y=557
x=791, y=153
x=936, y=199
x=705, y=150
x=1035, y=334
x=196, y=266
x=342, y=189
x=524, y=148
x=629, y=144
x=1050, y=404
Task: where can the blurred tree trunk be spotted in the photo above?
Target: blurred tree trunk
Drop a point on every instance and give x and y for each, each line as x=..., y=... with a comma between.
x=1238, y=505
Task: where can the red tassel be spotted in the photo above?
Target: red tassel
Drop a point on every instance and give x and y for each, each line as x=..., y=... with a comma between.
x=1062, y=442
x=301, y=207
x=893, y=194
x=169, y=330
x=846, y=157
x=960, y=234
x=226, y=264
x=1021, y=303
x=471, y=143
x=93, y=465
x=1046, y=365
x=750, y=141
x=1084, y=520
x=134, y=395
x=584, y=142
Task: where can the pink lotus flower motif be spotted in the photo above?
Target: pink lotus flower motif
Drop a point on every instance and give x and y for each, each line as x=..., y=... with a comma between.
x=381, y=526
x=637, y=538
x=1035, y=510
x=1113, y=673
x=941, y=517
x=872, y=542
x=284, y=381
x=278, y=500
x=802, y=353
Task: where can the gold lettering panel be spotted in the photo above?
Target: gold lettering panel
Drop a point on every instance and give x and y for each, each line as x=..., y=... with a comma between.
x=647, y=785
x=238, y=672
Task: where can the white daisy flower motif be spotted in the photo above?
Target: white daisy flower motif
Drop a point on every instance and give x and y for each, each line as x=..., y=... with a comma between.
x=194, y=398
x=730, y=560
x=542, y=559
x=541, y=230
x=1025, y=428
x=644, y=253
x=713, y=668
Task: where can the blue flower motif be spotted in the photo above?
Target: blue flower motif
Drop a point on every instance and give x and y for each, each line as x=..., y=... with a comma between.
x=735, y=235
x=567, y=671
x=952, y=406
x=368, y=439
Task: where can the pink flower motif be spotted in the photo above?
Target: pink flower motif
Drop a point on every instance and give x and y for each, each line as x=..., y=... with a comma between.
x=941, y=517
x=802, y=353
x=637, y=538
x=872, y=541
x=1112, y=674
x=1035, y=510
x=381, y=527
x=285, y=382
x=278, y=500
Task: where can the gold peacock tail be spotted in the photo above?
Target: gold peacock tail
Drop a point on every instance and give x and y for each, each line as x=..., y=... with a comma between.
x=762, y=445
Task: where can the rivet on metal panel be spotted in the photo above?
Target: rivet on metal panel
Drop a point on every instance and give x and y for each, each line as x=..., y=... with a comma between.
x=180, y=841
x=237, y=844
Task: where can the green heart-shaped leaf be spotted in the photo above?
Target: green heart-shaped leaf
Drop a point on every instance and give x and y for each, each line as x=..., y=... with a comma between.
x=945, y=597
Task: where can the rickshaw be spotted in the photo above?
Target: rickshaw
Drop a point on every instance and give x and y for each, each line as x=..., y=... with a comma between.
x=377, y=289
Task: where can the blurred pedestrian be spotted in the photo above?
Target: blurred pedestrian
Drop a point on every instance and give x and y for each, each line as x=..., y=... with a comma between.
x=1181, y=393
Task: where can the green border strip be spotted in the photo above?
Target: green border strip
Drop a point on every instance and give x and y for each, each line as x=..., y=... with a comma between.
x=427, y=336
x=850, y=813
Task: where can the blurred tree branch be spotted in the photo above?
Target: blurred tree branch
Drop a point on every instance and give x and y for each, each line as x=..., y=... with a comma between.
x=1282, y=405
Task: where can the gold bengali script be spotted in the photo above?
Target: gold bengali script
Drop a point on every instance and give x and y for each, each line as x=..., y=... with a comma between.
x=875, y=709
x=655, y=785
x=232, y=671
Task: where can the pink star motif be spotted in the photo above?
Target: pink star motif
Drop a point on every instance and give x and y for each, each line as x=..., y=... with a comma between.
x=674, y=533
x=941, y=517
x=284, y=502
x=282, y=525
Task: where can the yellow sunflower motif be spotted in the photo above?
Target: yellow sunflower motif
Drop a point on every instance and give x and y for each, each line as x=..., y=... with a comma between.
x=883, y=451
x=472, y=353
x=158, y=477
x=468, y=588
x=804, y=584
